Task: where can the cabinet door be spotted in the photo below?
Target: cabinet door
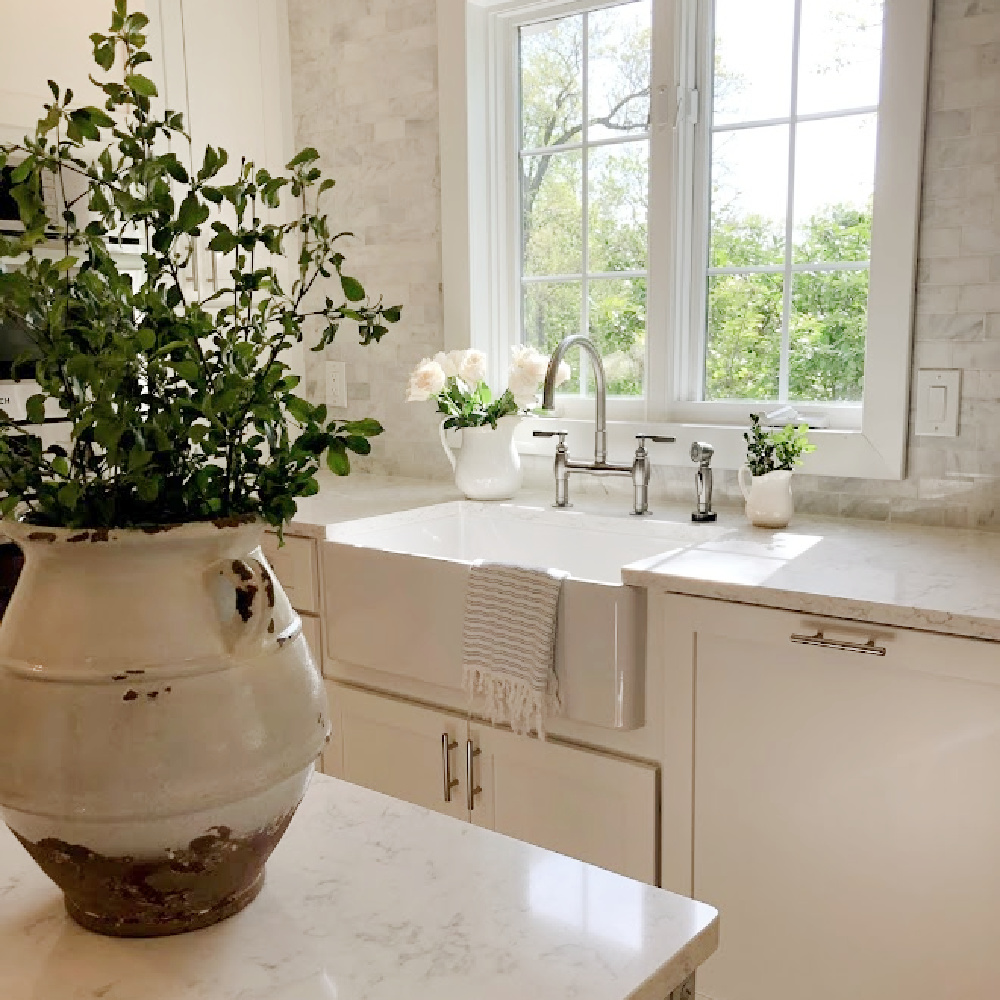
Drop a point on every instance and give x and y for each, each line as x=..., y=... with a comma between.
x=397, y=748
x=846, y=808
x=226, y=68
x=589, y=805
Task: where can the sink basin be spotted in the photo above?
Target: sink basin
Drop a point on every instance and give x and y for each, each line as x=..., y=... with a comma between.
x=395, y=588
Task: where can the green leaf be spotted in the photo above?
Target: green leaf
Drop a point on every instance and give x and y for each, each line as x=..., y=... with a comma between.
x=359, y=445
x=299, y=408
x=303, y=156
x=191, y=214
x=367, y=427
x=35, y=409
x=187, y=370
x=337, y=461
x=353, y=290
x=141, y=84
x=69, y=494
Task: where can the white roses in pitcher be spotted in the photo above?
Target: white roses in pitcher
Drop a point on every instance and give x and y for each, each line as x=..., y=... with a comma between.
x=457, y=382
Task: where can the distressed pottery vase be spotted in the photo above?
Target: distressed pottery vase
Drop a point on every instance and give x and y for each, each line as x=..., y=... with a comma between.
x=160, y=714
x=487, y=467
x=769, y=497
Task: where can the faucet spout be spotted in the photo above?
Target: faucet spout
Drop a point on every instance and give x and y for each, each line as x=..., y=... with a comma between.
x=601, y=395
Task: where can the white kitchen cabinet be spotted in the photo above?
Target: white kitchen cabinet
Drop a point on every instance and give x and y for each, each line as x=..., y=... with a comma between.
x=841, y=809
x=226, y=67
x=585, y=804
x=397, y=748
x=591, y=806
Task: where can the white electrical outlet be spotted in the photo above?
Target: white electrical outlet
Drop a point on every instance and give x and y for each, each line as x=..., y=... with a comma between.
x=336, y=384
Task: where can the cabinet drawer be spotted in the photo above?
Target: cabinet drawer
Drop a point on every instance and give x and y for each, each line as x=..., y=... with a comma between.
x=295, y=565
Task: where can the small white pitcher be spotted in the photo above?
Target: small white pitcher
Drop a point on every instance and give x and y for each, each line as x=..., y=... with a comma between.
x=769, y=497
x=487, y=467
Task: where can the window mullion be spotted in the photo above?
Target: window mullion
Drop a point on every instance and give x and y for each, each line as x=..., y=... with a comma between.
x=786, y=311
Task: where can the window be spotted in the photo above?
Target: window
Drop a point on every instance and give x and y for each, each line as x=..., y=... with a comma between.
x=792, y=179
x=584, y=183
x=723, y=194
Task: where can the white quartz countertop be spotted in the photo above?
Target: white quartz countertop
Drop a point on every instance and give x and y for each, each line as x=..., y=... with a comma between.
x=370, y=898
x=943, y=580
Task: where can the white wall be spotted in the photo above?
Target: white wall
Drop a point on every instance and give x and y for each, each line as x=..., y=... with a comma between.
x=42, y=40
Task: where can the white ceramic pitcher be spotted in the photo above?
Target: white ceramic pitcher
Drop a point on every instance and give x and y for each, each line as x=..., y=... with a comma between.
x=487, y=467
x=769, y=497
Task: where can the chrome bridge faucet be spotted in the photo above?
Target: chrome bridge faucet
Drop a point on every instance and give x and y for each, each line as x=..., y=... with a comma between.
x=639, y=470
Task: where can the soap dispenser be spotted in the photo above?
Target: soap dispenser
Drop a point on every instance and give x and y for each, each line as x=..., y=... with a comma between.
x=702, y=454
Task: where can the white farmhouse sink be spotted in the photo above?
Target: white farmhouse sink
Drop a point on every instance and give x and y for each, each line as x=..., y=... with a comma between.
x=395, y=588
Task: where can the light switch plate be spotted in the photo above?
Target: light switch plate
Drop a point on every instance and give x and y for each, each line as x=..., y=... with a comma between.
x=939, y=394
x=336, y=384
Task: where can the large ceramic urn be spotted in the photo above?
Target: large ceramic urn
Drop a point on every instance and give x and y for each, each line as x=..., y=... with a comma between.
x=160, y=714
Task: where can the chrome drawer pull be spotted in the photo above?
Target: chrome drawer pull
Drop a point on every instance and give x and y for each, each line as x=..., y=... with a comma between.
x=472, y=789
x=869, y=647
x=447, y=746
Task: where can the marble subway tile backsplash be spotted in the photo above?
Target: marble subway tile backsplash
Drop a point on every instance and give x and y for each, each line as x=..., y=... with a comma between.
x=364, y=79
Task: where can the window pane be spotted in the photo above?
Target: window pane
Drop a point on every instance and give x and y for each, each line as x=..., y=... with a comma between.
x=834, y=187
x=840, y=55
x=749, y=196
x=753, y=60
x=618, y=197
x=744, y=336
x=552, y=220
x=618, y=328
x=618, y=72
x=552, y=310
x=827, y=335
x=551, y=82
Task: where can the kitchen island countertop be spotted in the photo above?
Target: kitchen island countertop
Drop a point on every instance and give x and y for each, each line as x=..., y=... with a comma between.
x=371, y=898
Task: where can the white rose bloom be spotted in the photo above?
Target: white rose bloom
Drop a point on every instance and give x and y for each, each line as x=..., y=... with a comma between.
x=472, y=370
x=447, y=363
x=523, y=387
x=564, y=374
x=426, y=380
x=527, y=371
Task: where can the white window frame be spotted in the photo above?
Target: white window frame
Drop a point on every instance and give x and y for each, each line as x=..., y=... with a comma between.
x=478, y=88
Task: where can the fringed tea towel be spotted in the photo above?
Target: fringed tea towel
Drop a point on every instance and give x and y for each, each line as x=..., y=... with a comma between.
x=509, y=641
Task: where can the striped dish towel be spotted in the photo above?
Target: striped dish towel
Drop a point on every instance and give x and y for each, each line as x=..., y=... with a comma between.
x=509, y=641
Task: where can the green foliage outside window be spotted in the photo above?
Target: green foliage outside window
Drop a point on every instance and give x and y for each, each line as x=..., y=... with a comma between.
x=828, y=317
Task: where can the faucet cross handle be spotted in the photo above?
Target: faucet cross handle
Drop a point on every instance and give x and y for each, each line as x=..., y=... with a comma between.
x=551, y=434
x=655, y=438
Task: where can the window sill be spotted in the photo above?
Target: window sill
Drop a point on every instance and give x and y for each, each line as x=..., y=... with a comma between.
x=844, y=453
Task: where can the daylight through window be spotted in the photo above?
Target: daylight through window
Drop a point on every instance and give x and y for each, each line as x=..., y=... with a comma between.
x=584, y=188
x=794, y=117
x=780, y=285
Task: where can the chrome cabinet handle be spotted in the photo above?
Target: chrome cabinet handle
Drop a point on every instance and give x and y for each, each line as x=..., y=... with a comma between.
x=192, y=267
x=447, y=746
x=869, y=647
x=472, y=789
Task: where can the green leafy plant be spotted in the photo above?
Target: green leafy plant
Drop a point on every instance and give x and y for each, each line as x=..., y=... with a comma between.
x=772, y=450
x=181, y=409
x=475, y=407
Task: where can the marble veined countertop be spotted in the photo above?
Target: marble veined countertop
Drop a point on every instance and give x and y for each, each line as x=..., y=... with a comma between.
x=370, y=898
x=943, y=580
